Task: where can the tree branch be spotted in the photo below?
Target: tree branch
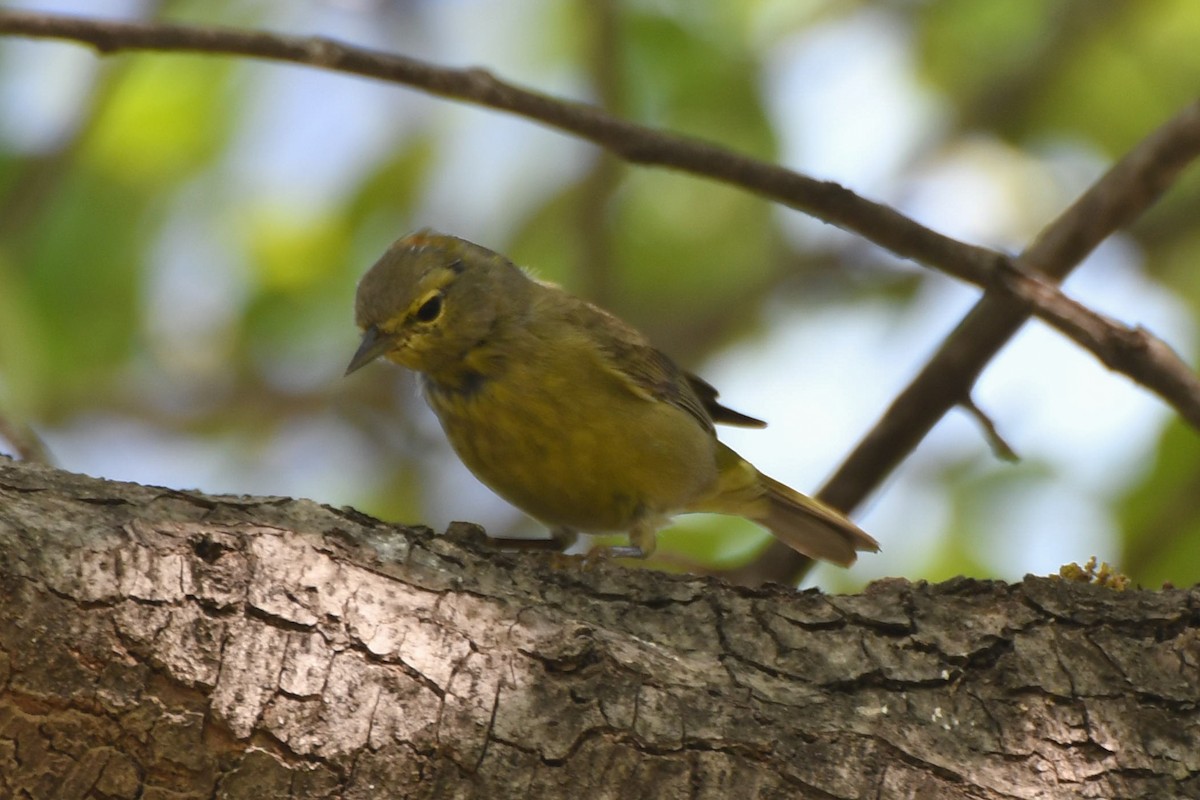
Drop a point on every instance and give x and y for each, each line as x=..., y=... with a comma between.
x=1000, y=448
x=162, y=643
x=635, y=143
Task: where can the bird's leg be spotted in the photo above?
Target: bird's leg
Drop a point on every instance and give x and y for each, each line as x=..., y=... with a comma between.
x=564, y=538
x=643, y=539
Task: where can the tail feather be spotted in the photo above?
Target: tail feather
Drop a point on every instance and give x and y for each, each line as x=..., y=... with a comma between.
x=803, y=523
x=811, y=527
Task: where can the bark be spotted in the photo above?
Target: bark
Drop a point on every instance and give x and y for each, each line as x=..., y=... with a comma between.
x=165, y=644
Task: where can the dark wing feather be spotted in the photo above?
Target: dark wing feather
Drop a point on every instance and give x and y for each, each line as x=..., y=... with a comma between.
x=651, y=372
x=720, y=414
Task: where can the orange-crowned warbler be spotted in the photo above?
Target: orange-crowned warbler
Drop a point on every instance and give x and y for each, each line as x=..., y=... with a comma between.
x=566, y=411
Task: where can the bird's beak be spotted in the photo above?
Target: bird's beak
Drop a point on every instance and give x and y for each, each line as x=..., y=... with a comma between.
x=374, y=344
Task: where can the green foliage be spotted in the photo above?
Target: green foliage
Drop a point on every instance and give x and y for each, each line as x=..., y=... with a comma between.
x=714, y=540
x=1038, y=69
x=1138, y=65
x=164, y=119
x=1160, y=517
x=81, y=274
x=969, y=46
x=686, y=73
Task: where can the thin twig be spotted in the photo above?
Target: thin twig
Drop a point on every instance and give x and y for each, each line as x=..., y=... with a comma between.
x=635, y=143
x=1000, y=447
x=1133, y=352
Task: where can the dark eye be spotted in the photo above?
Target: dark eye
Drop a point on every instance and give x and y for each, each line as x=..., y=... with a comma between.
x=431, y=309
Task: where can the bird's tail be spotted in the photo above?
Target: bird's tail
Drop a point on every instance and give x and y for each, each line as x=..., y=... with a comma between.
x=811, y=527
x=803, y=523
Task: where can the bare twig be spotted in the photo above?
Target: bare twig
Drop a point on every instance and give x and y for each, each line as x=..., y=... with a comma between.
x=1134, y=352
x=1001, y=448
x=635, y=143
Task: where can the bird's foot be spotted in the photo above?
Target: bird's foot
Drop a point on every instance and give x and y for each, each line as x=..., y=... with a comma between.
x=598, y=554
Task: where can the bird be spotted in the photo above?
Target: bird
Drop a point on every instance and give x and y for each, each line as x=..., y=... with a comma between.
x=566, y=411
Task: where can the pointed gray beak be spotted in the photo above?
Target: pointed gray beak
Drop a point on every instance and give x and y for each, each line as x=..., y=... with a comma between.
x=374, y=344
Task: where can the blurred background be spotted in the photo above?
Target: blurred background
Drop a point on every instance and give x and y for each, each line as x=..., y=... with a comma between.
x=180, y=239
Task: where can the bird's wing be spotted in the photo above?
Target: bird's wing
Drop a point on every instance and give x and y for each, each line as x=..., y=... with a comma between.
x=651, y=373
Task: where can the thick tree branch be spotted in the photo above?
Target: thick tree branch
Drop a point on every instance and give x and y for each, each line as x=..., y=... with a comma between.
x=159, y=643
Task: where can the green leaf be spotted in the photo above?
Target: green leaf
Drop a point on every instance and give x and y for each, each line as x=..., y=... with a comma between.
x=166, y=117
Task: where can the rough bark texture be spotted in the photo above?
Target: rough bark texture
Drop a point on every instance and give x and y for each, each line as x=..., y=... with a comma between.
x=165, y=644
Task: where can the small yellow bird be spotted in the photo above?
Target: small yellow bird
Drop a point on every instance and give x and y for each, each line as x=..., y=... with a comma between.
x=566, y=411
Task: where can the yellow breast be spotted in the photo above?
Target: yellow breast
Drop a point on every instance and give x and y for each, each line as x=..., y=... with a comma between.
x=564, y=440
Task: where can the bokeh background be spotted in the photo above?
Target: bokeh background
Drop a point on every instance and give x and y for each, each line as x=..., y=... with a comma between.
x=180, y=238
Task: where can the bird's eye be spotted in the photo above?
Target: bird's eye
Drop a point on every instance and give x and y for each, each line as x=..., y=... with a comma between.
x=431, y=309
